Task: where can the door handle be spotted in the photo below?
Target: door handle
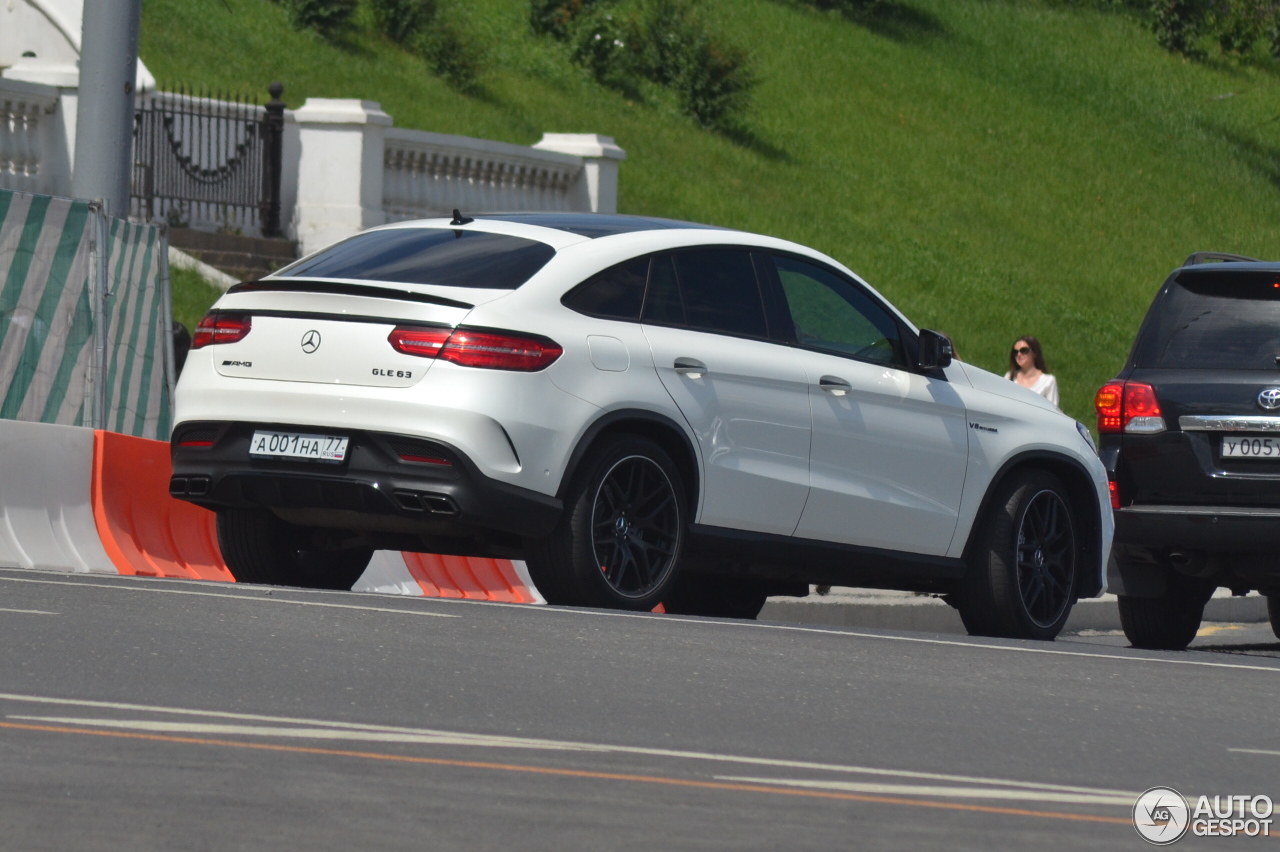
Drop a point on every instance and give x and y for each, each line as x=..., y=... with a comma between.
x=834, y=385
x=691, y=367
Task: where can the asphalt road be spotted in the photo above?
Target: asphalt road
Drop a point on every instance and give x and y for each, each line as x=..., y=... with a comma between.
x=144, y=714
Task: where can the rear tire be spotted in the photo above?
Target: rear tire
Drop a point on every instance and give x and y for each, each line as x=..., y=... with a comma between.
x=617, y=545
x=1273, y=612
x=1022, y=571
x=260, y=548
x=716, y=596
x=1168, y=622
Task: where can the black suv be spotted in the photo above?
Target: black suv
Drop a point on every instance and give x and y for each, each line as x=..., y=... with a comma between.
x=1190, y=436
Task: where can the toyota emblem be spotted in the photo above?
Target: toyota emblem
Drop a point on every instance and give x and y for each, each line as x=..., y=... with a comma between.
x=1269, y=399
x=311, y=342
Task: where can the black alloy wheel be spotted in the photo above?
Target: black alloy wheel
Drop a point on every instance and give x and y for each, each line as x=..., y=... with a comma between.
x=635, y=526
x=1023, y=562
x=1046, y=558
x=618, y=543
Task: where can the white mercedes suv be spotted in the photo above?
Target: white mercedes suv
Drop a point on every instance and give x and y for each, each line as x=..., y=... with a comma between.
x=646, y=411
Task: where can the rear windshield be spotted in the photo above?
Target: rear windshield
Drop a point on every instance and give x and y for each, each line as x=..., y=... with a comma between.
x=430, y=256
x=1214, y=320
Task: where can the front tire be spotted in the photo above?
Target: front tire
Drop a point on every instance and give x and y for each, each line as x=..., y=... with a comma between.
x=260, y=548
x=617, y=545
x=1022, y=570
x=1273, y=613
x=1168, y=622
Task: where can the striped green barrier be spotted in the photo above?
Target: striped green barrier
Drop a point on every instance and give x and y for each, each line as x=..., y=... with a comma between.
x=85, y=317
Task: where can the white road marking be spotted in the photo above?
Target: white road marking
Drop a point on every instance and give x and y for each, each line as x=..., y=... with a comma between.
x=793, y=628
x=1255, y=751
x=238, y=597
x=1125, y=801
x=488, y=740
x=198, y=729
x=28, y=611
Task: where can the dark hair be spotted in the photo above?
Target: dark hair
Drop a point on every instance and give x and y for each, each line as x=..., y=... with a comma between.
x=1035, y=350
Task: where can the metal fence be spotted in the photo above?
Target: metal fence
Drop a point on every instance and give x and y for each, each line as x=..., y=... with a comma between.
x=210, y=159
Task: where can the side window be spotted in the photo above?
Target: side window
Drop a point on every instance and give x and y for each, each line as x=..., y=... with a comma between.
x=832, y=314
x=615, y=293
x=720, y=293
x=662, y=304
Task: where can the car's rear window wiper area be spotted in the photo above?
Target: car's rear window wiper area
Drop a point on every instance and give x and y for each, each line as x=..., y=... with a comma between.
x=439, y=256
x=305, y=285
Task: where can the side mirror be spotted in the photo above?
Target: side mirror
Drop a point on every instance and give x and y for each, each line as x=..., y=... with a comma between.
x=935, y=349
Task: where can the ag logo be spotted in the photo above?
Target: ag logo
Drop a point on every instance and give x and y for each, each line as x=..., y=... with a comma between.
x=1269, y=399
x=311, y=341
x=1161, y=815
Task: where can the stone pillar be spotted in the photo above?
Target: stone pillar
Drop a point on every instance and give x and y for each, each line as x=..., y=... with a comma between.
x=339, y=170
x=600, y=171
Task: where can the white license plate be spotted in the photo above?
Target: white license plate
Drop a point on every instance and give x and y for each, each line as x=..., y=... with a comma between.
x=1250, y=448
x=293, y=445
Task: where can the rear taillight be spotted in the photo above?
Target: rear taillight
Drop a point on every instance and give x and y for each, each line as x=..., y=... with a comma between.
x=1129, y=407
x=221, y=327
x=422, y=342
x=492, y=350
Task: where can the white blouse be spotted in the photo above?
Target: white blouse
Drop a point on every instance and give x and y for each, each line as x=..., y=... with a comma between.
x=1046, y=386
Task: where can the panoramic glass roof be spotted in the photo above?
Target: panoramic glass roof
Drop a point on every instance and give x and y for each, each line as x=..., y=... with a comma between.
x=591, y=225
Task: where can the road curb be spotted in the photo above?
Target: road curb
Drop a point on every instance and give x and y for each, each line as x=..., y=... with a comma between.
x=924, y=614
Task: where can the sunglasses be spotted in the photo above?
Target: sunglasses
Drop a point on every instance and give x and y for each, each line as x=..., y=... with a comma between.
x=1021, y=350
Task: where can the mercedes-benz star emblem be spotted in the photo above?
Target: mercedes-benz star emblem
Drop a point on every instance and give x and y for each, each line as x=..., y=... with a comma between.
x=311, y=342
x=1269, y=399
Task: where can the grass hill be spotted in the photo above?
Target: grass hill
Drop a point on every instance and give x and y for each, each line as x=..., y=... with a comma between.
x=995, y=167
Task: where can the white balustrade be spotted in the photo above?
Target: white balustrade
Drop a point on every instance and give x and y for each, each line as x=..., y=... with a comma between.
x=28, y=149
x=430, y=174
x=357, y=170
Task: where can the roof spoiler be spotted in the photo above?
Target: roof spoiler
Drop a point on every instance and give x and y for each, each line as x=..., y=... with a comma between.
x=1216, y=256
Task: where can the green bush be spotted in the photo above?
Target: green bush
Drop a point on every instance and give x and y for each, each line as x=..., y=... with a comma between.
x=671, y=34
x=403, y=20
x=715, y=83
x=665, y=42
x=1238, y=26
x=453, y=54
x=557, y=17
x=608, y=46
x=329, y=18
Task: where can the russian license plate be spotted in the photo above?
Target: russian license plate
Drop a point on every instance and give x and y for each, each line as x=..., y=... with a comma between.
x=1250, y=448
x=293, y=445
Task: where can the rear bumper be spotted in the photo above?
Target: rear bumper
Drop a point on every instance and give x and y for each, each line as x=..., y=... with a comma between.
x=1214, y=529
x=374, y=488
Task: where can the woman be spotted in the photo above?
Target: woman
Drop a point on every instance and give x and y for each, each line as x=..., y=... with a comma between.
x=1026, y=367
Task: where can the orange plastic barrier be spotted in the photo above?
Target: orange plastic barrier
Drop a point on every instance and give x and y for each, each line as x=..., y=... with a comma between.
x=143, y=529
x=468, y=577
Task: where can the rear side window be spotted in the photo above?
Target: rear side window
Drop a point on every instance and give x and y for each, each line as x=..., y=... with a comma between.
x=708, y=290
x=1214, y=320
x=616, y=293
x=447, y=258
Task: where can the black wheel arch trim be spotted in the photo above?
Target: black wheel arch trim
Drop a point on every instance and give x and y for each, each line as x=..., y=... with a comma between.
x=1088, y=583
x=615, y=421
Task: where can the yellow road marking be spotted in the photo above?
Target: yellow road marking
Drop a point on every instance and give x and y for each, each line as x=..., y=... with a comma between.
x=580, y=773
x=1212, y=629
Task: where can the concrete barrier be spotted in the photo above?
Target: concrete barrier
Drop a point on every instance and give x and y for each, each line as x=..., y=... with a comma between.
x=75, y=499
x=46, y=516
x=143, y=529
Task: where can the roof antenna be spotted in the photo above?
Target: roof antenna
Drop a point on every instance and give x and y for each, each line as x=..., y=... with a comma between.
x=459, y=219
